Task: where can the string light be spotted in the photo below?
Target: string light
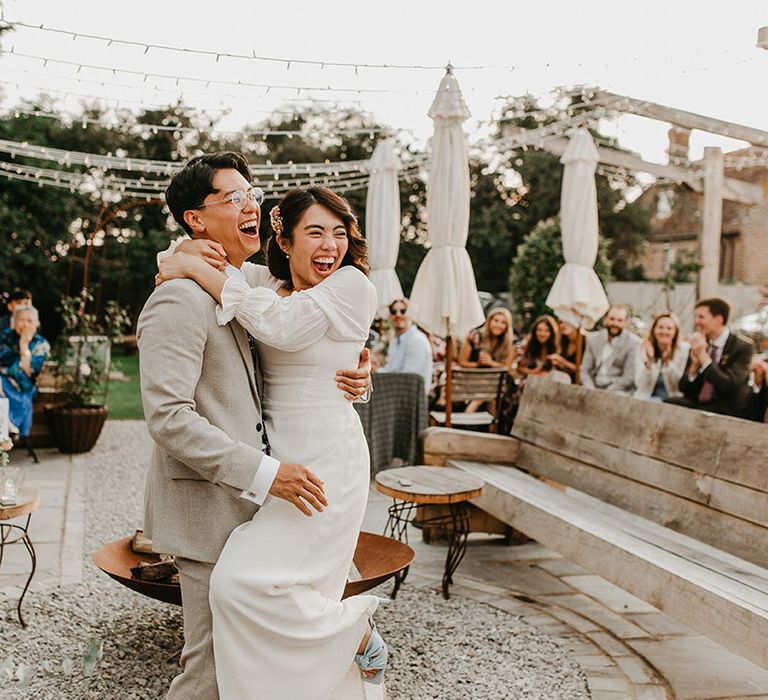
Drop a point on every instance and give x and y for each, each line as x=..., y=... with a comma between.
x=739, y=162
x=145, y=75
x=217, y=55
x=107, y=186
x=168, y=168
x=253, y=56
x=213, y=133
x=116, y=103
x=182, y=94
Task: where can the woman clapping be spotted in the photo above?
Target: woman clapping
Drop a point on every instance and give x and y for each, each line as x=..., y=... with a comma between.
x=661, y=360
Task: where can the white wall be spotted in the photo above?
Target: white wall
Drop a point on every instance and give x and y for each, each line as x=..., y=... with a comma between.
x=646, y=299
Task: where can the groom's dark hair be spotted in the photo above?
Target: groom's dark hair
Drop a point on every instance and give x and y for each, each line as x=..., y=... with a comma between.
x=194, y=182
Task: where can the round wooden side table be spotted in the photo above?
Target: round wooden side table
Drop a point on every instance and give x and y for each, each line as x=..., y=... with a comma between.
x=13, y=533
x=418, y=486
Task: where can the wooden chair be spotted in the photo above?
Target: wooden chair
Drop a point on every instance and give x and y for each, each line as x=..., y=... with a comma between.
x=475, y=384
x=507, y=403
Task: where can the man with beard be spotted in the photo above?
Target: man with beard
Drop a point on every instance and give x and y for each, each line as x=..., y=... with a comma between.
x=716, y=376
x=609, y=362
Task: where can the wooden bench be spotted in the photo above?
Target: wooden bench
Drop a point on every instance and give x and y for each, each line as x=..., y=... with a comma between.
x=669, y=503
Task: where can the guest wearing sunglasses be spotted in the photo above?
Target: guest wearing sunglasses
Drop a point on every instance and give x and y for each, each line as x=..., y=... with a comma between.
x=410, y=351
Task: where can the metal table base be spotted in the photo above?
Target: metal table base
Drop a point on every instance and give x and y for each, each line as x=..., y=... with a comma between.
x=457, y=522
x=11, y=533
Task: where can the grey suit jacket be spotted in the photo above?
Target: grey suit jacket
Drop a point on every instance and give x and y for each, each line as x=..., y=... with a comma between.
x=201, y=404
x=621, y=369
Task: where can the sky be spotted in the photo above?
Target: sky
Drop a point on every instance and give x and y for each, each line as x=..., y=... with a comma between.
x=692, y=55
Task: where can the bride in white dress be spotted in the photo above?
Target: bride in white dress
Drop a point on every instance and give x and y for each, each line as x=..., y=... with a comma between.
x=280, y=628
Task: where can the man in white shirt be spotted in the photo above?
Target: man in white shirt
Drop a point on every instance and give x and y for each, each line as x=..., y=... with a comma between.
x=717, y=373
x=410, y=351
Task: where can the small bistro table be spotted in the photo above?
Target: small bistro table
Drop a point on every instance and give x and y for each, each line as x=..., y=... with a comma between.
x=13, y=533
x=418, y=486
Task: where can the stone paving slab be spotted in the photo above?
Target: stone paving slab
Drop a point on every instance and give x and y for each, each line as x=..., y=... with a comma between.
x=613, y=597
x=523, y=576
x=603, y=616
x=561, y=567
x=650, y=692
x=699, y=669
x=660, y=625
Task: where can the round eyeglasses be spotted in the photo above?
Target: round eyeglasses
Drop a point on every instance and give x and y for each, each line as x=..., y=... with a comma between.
x=238, y=198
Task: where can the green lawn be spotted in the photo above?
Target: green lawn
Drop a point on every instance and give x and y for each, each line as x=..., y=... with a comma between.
x=124, y=398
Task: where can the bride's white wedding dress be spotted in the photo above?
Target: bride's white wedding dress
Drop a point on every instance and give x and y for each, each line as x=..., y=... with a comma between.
x=280, y=628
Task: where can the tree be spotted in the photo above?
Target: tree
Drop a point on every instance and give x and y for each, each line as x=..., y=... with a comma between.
x=50, y=232
x=538, y=176
x=494, y=233
x=535, y=267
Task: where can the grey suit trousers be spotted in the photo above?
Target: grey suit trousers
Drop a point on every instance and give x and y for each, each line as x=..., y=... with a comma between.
x=197, y=680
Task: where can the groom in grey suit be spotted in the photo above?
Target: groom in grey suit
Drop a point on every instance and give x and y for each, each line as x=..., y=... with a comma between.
x=211, y=468
x=609, y=361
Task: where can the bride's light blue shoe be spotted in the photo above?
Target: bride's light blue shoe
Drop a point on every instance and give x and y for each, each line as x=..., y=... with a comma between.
x=374, y=658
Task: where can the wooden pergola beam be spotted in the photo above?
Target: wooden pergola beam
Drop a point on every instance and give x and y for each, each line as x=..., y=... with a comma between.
x=687, y=120
x=733, y=190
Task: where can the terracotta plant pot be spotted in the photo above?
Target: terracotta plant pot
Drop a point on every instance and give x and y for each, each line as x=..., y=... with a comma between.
x=75, y=429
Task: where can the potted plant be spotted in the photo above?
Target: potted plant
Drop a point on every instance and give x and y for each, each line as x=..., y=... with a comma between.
x=82, y=361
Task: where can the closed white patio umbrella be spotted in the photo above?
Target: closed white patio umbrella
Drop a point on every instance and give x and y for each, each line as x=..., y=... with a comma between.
x=382, y=223
x=577, y=296
x=444, y=297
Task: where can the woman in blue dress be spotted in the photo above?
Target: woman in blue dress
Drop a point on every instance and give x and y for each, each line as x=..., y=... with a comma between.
x=22, y=354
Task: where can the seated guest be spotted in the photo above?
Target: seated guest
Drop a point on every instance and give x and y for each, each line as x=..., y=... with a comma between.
x=759, y=409
x=609, y=362
x=660, y=361
x=22, y=354
x=438, y=348
x=492, y=345
x=717, y=371
x=18, y=297
x=542, y=342
x=410, y=351
x=565, y=358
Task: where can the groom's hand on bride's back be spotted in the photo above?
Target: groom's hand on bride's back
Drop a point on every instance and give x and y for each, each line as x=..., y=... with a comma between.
x=296, y=484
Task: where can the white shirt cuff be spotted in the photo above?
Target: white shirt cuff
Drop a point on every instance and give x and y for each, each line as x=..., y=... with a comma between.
x=232, y=294
x=263, y=480
x=171, y=249
x=705, y=365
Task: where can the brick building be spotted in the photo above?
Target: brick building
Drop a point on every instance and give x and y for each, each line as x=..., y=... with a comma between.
x=676, y=222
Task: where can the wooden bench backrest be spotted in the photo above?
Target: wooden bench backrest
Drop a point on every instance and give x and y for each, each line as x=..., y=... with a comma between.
x=701, y=474
x=481, y=383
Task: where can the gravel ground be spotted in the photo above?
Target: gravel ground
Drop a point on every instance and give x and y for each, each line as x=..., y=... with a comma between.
x=438, y=649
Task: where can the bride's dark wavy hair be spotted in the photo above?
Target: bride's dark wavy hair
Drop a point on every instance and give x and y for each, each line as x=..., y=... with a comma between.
x=292, y=207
